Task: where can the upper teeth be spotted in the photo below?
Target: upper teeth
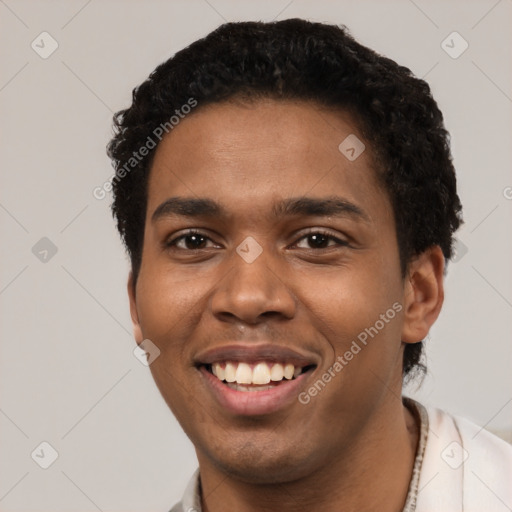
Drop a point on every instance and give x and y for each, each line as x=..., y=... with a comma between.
x=259, y=373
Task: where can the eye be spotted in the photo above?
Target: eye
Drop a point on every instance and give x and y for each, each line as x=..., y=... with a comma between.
x=191, y=240
x=321, y=240
x=195, y=240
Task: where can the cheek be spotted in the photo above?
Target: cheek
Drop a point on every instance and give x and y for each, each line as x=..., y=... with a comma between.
x=170, y=304
x=346, y=300
x=357, y=311
x=169, y=300
x=362, y=348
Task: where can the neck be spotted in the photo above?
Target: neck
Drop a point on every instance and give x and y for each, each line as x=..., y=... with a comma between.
x=373, y=473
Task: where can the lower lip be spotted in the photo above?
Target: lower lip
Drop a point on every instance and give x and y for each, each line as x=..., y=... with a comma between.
x=252, y=403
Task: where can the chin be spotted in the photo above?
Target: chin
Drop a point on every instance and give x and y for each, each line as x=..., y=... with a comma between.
x=258, y=464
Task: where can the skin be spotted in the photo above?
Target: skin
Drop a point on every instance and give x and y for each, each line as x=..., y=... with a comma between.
x=355, y=435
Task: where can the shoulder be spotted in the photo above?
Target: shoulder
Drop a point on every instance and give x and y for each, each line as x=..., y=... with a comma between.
x=191, y=500
x=488, y=465
x=479, y=449
x=180, y=507
x=465, y=467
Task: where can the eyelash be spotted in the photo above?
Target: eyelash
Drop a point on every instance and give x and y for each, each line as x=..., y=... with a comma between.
x=191, y=232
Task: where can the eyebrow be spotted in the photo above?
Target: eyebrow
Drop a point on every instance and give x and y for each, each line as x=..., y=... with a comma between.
x=300, y=206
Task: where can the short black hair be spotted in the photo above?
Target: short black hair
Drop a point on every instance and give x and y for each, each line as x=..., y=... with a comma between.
x=299, y=60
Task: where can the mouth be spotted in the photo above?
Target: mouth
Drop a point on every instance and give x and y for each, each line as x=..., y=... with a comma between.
x=255, y=381
x=254, y=377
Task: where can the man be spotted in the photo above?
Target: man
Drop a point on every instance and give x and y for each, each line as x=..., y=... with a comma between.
x=288, y=202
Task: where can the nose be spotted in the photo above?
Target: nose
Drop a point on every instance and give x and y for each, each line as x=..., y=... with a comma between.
x=253, y=292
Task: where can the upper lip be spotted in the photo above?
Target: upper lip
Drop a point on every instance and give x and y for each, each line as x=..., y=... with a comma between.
x=255, y=353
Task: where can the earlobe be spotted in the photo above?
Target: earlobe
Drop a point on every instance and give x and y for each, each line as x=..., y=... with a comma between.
x=137, y=331
x=423, y=294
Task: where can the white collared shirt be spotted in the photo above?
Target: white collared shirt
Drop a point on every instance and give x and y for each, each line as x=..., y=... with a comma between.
x=459, y=467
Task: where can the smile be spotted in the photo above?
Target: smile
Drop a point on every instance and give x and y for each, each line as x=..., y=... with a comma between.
x=261, y=376
x=254, y=379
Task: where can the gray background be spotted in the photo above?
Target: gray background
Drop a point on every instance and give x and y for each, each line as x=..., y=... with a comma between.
x=68, y=375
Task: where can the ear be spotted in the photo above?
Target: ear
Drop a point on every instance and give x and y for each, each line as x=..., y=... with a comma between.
x=423, y=294
x=137, y=331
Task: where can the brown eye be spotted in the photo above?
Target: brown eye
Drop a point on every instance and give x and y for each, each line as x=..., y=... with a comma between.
x=320, y=240
x=189, y=241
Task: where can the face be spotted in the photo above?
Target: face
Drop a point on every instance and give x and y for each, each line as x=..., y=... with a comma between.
x=268, y=251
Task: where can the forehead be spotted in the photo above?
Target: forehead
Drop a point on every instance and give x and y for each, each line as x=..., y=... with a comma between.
x=243, y=155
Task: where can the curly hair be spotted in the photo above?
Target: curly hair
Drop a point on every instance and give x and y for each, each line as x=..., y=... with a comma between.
x=299, y=60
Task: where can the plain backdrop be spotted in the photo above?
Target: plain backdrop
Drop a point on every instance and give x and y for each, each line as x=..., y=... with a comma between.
x=68, y=375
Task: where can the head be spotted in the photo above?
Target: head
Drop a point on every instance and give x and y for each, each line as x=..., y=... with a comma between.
x=243, y=135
